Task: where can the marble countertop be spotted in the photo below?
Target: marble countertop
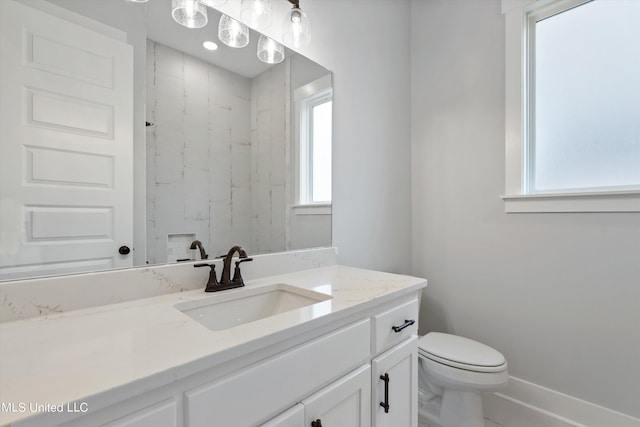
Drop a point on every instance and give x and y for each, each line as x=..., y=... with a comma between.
x=73, y=356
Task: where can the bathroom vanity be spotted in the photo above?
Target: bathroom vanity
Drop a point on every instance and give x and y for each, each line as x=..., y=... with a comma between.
x=329, y=343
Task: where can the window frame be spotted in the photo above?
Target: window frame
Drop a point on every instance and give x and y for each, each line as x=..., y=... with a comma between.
x=520, y=19
x=305, y=98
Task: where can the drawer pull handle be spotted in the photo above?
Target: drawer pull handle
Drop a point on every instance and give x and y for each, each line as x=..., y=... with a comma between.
x=316, y=423
x=385, y=404
x=406, y=324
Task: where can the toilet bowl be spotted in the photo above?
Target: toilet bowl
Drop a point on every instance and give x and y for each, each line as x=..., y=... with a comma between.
x=452, y=373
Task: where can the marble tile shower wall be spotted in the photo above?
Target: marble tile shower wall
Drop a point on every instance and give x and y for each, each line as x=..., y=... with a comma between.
x=207, y=150
x=270, y=136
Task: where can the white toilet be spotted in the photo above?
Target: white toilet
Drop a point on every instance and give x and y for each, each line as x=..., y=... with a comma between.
x=452, y=372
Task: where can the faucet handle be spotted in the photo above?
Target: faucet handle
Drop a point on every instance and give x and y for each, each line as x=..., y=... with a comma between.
x=213, y=280
x=204, y=264
x=237, y=277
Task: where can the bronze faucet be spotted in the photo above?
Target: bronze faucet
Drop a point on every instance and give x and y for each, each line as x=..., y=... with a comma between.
x=226, y=270
x=198, y=244
x=225, y=281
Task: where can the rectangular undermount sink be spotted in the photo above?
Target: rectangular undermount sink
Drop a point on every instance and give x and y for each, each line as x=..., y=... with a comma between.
x=224, y=311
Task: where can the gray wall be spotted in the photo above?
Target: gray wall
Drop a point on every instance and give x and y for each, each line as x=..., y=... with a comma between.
x=558, y=294
x=371, y=151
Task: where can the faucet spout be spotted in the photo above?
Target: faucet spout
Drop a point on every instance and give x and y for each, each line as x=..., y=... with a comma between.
x=226, y=270
x=198, y=244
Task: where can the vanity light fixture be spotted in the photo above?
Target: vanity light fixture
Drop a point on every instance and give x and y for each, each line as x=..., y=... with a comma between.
x=256, y=13
x=213, y=3
x=210, y=45
x=233, y=33
x=190, y=13
x=270, y=51
x=296, y=30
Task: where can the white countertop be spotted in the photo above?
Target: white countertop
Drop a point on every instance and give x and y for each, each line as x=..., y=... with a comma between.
x=80, y=354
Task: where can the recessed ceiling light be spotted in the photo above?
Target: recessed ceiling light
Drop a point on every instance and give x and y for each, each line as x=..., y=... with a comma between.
x=210, y=45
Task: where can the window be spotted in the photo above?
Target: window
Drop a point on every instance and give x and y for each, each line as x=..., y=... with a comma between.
x=313, y=146
x=573, y=106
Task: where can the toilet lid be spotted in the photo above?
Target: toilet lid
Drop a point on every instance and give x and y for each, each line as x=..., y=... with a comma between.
x=461, y=352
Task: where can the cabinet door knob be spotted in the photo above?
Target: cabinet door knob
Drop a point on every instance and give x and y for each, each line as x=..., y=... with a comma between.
x=316, y=423
x=406, y=324
x=124, y=250
x=385, y=404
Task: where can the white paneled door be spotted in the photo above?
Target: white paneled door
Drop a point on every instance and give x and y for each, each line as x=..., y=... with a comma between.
x=66, y=144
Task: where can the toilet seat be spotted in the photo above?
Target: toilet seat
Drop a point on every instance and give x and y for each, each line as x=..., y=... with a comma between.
x=462, y=353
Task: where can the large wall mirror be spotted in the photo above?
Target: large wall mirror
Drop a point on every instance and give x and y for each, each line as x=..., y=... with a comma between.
x=123, y=140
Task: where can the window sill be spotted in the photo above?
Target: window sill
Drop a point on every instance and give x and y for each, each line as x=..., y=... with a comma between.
x=611, y=201
x=316, y=209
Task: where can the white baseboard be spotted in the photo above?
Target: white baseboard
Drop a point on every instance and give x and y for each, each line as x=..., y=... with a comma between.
x=524, y=404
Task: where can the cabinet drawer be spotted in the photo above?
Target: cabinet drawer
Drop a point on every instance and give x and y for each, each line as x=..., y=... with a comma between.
x=164, y=414
x=384, y=335
x=265, y=389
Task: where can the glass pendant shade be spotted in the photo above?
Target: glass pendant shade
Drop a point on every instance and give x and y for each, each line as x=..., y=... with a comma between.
x=213, y=3
x=270, y=51
x=256, y=13
x=190, y=13
x=296, y=30
x=233, y=33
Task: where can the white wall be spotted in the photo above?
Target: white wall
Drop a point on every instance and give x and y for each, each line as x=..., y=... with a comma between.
x=556, y=293
x=366, y=45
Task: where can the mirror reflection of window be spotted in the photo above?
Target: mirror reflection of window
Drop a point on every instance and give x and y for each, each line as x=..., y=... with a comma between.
x=321, y=153
x=314, y=114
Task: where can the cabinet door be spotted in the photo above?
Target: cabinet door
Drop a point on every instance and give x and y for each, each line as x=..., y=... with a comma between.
x=399, y=366
x=345, y=403
x=294, y=417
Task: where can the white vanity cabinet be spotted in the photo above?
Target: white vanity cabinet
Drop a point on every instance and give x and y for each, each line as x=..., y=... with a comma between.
x=330, y=372
x=345, y=402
